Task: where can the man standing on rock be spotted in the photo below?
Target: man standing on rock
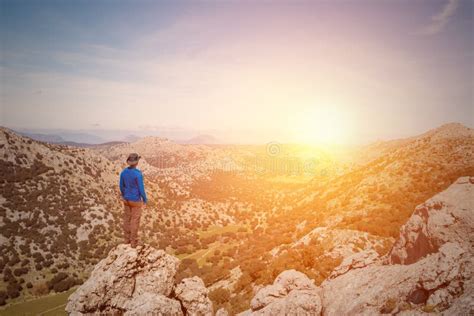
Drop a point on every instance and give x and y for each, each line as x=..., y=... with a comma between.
x=134, y=198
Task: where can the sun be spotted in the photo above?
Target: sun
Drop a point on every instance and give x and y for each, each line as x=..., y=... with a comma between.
x=322, y=125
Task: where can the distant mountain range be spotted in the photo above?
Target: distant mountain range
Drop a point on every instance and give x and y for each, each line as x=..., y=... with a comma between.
x=81, y=139
x=47, y=138
x=85, y=140
x=202, y=140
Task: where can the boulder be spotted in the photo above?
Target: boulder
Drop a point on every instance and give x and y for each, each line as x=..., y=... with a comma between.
x=152, y=304
x=193, y=295
x=356, y=261
x=222, y=312
x=138, y=281
x=292, y=293
x=428, y=269
x=448, y=216
x=393, y=288
x=464, y=305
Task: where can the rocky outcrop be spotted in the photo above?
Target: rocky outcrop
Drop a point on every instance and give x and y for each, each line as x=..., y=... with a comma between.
x=222, y=312
x=292, y=293
x=356, y=261
x=145, y=304
x=341, y=242
x=139, y=281
x=193, y=295
x=447, y=217
x=434, y=281
x=429, y=269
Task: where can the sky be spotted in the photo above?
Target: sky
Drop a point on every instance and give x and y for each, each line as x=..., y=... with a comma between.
x=243, y=71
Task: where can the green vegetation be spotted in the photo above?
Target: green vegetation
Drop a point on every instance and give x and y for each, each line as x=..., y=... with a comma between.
x=202, y=255
x=217, y=230
x=49, y=305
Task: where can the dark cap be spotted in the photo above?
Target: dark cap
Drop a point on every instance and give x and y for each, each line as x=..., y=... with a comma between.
x=133, y=159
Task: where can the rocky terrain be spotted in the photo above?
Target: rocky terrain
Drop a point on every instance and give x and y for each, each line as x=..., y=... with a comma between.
x=139, y=281
x=55, y=203
x=235, y=216
x=429, y=269
x=376, y=197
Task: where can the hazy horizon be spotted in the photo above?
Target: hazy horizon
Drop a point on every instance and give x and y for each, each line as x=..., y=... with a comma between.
x=98, y=136
x=311, y=72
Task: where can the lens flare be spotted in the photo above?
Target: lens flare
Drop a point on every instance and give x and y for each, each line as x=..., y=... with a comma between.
x=322, y=125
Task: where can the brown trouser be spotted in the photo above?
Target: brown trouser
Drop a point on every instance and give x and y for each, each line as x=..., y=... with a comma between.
x=131, y=221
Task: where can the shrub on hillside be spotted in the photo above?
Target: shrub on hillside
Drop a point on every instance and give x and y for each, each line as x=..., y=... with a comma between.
x=3, y=298
x=219, y=296
x=61, y=282
x=14, y=289
x=57, y=278
x=64, y=285
x=8, y=275
x=40, y=289
x=20, y=271
x=13, y=261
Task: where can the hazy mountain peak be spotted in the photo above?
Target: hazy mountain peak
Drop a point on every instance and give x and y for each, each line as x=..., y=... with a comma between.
x=152, y=140
x=203, y=139
x=450, y=130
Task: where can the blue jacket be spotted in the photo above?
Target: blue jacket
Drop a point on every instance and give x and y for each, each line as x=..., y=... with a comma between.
x=131, y=185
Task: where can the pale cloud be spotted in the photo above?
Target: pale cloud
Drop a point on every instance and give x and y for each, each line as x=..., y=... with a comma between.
x=440, y=20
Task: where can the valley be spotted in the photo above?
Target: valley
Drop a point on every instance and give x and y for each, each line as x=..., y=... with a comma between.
x=236, y=215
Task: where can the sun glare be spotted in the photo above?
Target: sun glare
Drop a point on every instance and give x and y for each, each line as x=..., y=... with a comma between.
x=322, y=125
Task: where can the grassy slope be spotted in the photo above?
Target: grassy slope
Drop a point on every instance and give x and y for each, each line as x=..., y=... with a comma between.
x=201, y=255
x=49, y=305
